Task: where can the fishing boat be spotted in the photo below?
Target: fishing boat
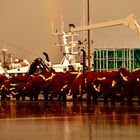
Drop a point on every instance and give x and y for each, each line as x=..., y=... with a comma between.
x=68, y=44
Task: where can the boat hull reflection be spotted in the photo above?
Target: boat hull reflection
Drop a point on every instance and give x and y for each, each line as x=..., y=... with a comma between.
x=41, y=120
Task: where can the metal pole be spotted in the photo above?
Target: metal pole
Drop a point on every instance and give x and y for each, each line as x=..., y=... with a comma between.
x=88, y=20
x=84, y=59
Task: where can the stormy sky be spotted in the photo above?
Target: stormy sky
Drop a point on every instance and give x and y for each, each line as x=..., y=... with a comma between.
x=25, y=25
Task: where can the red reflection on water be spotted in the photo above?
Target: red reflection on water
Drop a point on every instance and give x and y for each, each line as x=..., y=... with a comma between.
x=81, y=111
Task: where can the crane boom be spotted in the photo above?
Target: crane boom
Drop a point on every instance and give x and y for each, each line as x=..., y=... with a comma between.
x=129, y=21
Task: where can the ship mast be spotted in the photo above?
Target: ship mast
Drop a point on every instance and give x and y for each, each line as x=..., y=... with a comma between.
x=4, y=56
x=88, y=20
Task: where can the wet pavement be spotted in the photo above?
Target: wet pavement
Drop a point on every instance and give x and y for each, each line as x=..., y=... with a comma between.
x=55, y=120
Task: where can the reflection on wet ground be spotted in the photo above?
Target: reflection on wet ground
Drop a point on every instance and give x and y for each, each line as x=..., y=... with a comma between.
x=54, y=120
